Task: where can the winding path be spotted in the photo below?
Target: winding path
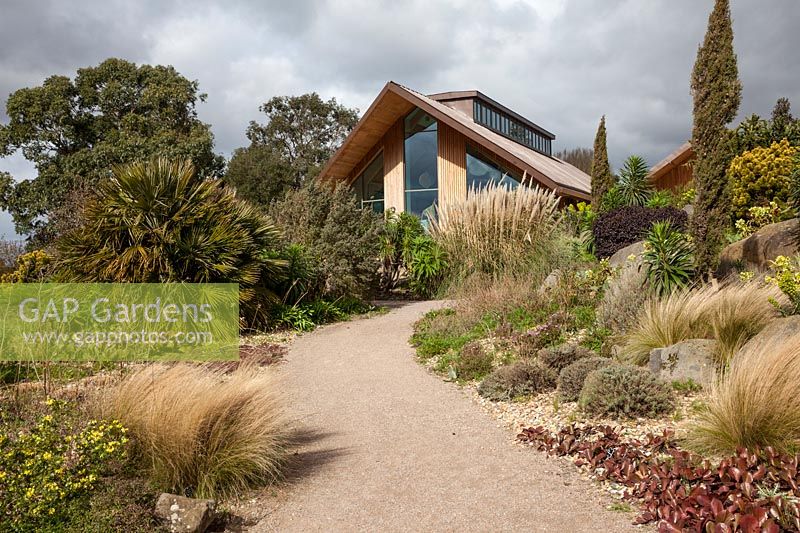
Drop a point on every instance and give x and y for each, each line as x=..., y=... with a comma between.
x=386, y=446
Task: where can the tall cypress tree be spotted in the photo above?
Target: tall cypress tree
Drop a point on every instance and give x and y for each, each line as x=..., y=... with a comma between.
x=602, y=178
x=717, y=92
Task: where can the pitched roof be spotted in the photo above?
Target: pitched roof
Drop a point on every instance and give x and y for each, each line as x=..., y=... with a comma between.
x=395, y=101
x=677, y=158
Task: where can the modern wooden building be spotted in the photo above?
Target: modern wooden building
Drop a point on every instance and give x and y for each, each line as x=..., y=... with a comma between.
x=675, y=170
x=412, y=152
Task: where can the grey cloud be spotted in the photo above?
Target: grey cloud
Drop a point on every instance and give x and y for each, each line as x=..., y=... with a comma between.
x=562, y=63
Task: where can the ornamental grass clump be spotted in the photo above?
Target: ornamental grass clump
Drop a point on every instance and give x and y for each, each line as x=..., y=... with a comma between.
x=497, y=229
x=731, y=315
x=199, y=431
x=757, y=401
x=623, y=391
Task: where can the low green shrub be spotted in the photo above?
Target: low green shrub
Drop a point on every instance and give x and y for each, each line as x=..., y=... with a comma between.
x=786, y=276
x=306, y=316
x=56, y=461
x=119, y=503
x=561, y=356
x=623, y=391
x=518, y=379
x=438, y=332
x=661, y=198
x=473, y=362
x=530, y=342
x=572, y=377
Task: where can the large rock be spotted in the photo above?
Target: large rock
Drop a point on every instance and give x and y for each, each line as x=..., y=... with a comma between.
x=690, y=359
x=551, y=282
x=187, y=515
x=620, y=258
x=780, y=328
x=756, y=251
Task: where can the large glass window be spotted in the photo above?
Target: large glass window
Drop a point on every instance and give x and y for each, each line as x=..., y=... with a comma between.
x=420, y=150
x=369, y=185
x=481, y=172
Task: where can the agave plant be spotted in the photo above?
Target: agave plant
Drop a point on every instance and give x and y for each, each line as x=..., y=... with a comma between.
x=668, y=258
x=633, y=186
x=158, y=221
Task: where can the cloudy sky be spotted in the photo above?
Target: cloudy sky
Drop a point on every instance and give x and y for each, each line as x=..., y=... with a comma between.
x=562, y=63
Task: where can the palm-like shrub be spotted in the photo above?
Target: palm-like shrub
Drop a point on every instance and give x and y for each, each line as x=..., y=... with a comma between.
x=633, y=186
x=158, y=221
x=497, y=229
x=668, y=258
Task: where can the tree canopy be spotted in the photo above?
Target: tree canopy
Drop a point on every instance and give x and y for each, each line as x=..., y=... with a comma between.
x=755, y=132
x=300, y=134
x=76, y=130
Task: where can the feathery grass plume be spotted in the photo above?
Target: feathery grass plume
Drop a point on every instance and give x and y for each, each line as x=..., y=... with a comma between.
x=199, y=430
x=731, y=315
x=497, y=230
x=755, y=403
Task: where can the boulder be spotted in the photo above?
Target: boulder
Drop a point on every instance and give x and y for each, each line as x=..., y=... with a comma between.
x=550, y=282
x=756, y=251
x=187, y=515
x=620, y=258
x=782, y=328
x=690, y=359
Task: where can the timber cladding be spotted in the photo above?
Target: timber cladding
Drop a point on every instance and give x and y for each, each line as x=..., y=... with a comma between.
x=451, y=165
x=393, y=173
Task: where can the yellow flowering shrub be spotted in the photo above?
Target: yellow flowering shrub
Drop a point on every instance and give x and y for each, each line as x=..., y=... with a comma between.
x=757, y=218
x=760, y=176
x=45, y=466
x=787, y=278
x=31, y=267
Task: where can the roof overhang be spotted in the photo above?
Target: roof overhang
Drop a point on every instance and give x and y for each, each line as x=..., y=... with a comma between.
x=395, y=102
x=680, y=156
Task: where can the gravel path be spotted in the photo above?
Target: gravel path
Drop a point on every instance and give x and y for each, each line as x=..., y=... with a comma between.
x=386, y=446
